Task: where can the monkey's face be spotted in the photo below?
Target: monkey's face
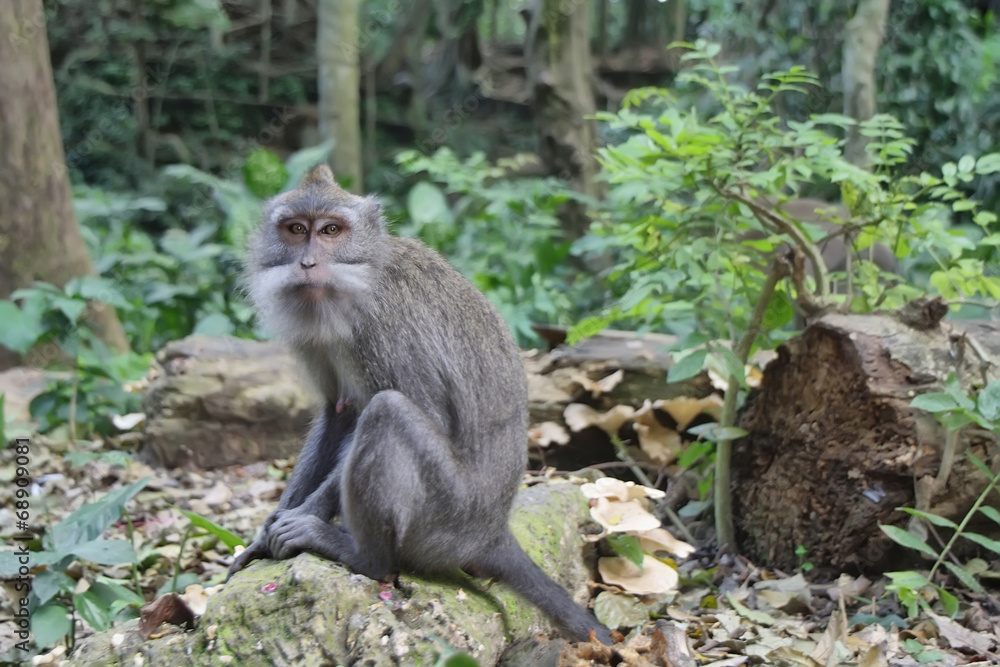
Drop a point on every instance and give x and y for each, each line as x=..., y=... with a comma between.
x=312, y=274
x=313, y=258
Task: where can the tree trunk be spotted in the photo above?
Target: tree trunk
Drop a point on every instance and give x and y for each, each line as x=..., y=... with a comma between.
x=559, y=74
x=678, y=20
x=603, y=16
x=862, y=39
x=834, y=446
x=338, y=55
x=635, y=18
x=141, y=100
x=39, y=237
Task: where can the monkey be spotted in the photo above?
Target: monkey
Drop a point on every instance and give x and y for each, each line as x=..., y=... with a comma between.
x=420, y=444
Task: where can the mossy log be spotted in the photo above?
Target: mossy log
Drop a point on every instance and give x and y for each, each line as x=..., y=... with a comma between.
x=309, y=611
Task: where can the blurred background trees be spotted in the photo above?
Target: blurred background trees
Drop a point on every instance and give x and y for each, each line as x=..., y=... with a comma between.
x=472, y=119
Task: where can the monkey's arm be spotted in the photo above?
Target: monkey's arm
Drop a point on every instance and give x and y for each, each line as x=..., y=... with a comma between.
x=312, y=489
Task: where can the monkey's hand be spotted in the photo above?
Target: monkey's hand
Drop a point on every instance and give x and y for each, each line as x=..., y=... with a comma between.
x=294, y=532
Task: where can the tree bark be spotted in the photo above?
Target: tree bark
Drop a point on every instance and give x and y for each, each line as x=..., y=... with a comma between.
x=338, y=56
x=834, y=446
x=862, y=38
x=559, y=74
x=39, y=237
x=678, y=20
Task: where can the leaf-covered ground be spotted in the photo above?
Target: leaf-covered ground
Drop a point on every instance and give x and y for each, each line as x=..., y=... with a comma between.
x=722, y=611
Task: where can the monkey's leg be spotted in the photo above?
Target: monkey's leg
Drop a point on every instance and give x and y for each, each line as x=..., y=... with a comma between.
x=511, y=565
x=402, y=495
x=312, y=488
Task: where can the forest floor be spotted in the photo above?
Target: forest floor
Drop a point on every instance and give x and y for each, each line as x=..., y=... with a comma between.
x=726, y=610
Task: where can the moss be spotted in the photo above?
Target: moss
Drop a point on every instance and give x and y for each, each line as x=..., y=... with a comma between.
x=308, y=610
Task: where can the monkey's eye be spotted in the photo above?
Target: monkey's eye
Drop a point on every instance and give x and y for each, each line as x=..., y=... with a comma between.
x=330, y=229
x=296, y=228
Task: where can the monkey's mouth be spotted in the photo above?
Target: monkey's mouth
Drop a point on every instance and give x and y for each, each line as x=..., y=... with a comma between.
x=312, y=292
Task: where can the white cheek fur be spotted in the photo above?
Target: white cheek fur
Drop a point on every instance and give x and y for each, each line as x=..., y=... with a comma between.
x=298, y=322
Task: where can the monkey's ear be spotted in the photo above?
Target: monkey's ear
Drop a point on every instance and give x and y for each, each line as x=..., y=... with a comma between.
x=373, y=211
x=321, y=174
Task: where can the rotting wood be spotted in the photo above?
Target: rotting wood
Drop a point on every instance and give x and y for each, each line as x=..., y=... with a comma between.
x=834, y=447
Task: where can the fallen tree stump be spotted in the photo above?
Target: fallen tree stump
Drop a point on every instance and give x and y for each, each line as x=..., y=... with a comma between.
x=834, y=447
x=214, y=402
x=310, y=611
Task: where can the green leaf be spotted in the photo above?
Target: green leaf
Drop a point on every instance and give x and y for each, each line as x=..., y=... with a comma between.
x=18, y=332
x=585, y=328
x=780, y=311
x=427, y=204
x=908, y=579
x=109, y=591
x=47, y=584
x=92, y=609
x=50, y=623
x=988, y=401
x=990, y=512
x=953, y=421
x=10, y=563
x=930, y=518
x=89, y=521
x=616, y=610
x=688, y=367
x=215, y=324
x=730, y=362
x=716, y=432
x=988, y=164
x=229, y=539
x=934, y=402
x=105, y=552
x=983, y=541
x=98, y=289
x=948, y=601
x=70, y=308
x=967, y=579
x=626, y=546
x=908, y=539
x=954, y=389
x=264, y=173
x=983, y=468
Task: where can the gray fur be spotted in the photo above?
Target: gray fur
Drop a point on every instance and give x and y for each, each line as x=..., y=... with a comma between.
x=422, y=442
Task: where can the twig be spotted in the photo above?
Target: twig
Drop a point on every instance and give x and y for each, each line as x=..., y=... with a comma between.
x=778, y=224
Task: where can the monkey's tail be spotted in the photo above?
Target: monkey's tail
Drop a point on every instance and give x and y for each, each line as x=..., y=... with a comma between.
x=513, y=567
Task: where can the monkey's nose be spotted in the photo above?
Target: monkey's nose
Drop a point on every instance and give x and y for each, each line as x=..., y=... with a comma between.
x=307, y=263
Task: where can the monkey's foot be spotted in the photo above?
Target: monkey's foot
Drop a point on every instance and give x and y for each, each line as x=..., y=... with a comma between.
x=256, y=549
x=343, y=402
